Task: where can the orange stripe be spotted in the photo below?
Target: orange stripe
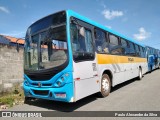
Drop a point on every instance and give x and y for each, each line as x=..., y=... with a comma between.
x=112, y=59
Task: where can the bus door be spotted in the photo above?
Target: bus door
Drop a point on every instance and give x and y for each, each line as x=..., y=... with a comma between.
x=84, y=63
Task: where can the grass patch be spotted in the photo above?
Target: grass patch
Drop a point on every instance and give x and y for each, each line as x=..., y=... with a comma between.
x=13, y=98
x=7, y=100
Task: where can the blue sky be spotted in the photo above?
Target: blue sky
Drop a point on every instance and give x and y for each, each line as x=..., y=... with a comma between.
x=137, y=19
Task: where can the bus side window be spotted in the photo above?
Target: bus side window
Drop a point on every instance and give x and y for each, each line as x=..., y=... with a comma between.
x=81, y=40
x=141, y=52
x=82, y=43
x=132, y=49
x=100, y=40
x=137, y=51
x=88, y=41
x=144, y=52
x=125, y=47
x=74, y=38
x=114, y=46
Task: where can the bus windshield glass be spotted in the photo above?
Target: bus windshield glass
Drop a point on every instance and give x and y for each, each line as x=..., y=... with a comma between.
x=47, y=48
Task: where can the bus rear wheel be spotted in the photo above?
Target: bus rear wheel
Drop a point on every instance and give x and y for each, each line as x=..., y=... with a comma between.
x=105, y=86
x=140, y=74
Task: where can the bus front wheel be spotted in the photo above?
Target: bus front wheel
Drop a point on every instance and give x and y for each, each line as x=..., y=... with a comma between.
x=105, y=86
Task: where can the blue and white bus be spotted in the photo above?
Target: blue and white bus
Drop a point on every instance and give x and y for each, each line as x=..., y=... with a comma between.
x=158, y=51
x=68, y=57
x=152, y=58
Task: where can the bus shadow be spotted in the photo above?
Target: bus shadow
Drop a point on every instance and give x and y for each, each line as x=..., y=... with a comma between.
x=62, y=106
x=152, y=71
x=121, y=85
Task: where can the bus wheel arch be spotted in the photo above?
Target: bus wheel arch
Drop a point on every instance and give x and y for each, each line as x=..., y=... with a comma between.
x=109, y=73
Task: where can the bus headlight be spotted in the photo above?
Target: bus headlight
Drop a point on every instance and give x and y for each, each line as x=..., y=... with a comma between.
x=62, y=80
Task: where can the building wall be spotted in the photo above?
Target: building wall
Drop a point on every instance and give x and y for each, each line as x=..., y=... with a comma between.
x=11, y=67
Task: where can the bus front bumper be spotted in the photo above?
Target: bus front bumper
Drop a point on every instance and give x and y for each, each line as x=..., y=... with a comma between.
x=64, y=93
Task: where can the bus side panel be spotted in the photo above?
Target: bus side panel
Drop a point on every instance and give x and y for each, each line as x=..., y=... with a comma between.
x=122, y=69
x=86, y=87
x=85, y=79
x=111, y=63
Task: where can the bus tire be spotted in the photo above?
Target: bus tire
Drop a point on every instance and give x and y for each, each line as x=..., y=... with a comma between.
x=140, y=74
x=105, y=86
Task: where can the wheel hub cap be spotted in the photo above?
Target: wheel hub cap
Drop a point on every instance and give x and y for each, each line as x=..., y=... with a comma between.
x=105, y=85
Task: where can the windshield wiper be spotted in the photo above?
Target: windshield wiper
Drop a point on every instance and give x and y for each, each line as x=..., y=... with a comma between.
x=49, y=30
x=59, y=25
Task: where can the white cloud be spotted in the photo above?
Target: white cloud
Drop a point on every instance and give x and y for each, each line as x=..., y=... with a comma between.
x=108, y=14
x=142, y=35
x=4, y=9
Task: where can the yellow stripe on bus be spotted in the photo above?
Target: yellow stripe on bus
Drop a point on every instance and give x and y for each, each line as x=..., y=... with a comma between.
x=112, y=59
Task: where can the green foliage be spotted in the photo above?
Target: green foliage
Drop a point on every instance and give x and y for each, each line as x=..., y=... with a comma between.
x=7, y=100
x=12, y=98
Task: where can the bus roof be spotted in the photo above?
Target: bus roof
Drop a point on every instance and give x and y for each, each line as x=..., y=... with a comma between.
x=85, y=19
x=151, y=47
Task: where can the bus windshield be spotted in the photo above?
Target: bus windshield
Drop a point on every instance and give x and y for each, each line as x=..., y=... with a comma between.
x=46, y=49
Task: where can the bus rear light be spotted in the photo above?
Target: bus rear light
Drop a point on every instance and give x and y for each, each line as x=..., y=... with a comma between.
x=60, y=95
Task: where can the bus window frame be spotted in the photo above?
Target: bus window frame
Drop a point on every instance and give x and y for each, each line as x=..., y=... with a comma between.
x=118, y=46
x=86, y=26
x=106, y=39
x=137, y=50
x=125, y=47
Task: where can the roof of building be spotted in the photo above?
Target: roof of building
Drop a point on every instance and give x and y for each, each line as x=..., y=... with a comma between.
x=4, y=40
x=11, y=39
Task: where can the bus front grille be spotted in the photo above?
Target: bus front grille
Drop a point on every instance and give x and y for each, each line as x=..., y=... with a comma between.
x=41, y=92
